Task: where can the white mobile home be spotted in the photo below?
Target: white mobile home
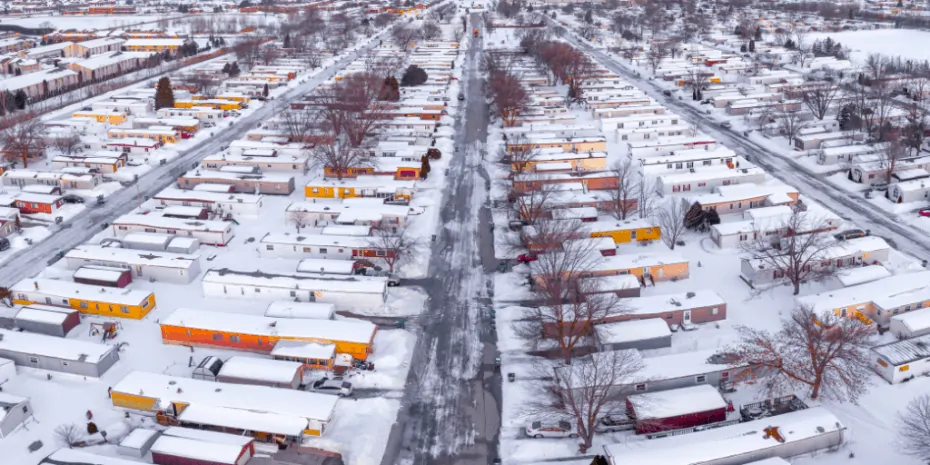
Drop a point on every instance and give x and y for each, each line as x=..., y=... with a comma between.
x=707, y=179
x=286, y=245
x=218, y=203
x=670, y=144
x=900, y=361
x=207, y=232
x=911, y=324
x=654, y=133
x=346, y=292
x=156, y=266
x=304, y=310
x=638, y=121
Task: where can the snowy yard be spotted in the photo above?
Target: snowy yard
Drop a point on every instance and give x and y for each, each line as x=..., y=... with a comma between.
x=889, y=42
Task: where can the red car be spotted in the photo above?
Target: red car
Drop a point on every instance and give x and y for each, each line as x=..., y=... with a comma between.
x=526, y=258
x=924, y=212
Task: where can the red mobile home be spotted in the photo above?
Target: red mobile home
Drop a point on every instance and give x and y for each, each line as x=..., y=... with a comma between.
x=108, y=276
x=179, y=450
x=676, y=408
x=28, y=202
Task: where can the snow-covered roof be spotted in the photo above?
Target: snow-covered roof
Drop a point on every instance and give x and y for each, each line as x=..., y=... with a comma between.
x=318, y=240
x=99, y=273
x=906, y=351
x=70, y=289
x=44, y=314
x=307, y=405
x=323, y=265
x=133, y=257
x=635, y=330
x=677, y=402
x=309, y=310
x=605, y=224
x=649, y=305
x=34, y=197
x=348, y=330
x=738, y=192
x=147, y=238
x=213, y=174
x=717, y=444
x=137, y=438
x=173, y=193
x=206, y=435
x=182, y=210
x=364, y=182
x=245, y=419
x=166, y=42
x=304, y=350
x=860, y=275
x=887, y=293
x=277, y=371
x=182, y=224
x=100, y=42
x=615, y=282
x=631, y=261
x=13, y=84
x=54, y=347
x=710, y=173
x=111, y=58
x=195, y=449
x=66, y=456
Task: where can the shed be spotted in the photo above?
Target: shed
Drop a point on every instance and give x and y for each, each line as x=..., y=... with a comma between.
x=46, y=319
x=900, y=361
x=14, y=411
x=172, y=450
x=183, y=245
x=191, y=213
x=98, y=275
x=57, y=354
x=138, y=442
x=208, y=368
x=677, y=408
x=306, y=310
x=310, y=354
x=262, y=372
x=911, y=324
x=862, y=275
x=146, y=241
x=651, y=333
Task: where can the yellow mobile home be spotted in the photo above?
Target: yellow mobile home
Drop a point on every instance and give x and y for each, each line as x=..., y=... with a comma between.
x=102, y=116
x=165, y=136
x=94, y=300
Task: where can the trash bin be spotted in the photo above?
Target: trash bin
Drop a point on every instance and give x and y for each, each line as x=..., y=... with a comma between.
x=511, y=377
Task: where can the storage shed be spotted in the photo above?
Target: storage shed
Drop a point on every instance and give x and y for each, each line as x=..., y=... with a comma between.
x=147, y=241
x=900, y=361
x=172, y=450
x=7, y=370
x=138, y=442
x=14, y=411
x=676, y=408
x=306, y=310
x=208, y=368
x=311, y=354
x=57, y=354
x=46, y=319
x=651, y=333
x=261, y=372
x=183, y=245
x=911, y=324
x=99, y=275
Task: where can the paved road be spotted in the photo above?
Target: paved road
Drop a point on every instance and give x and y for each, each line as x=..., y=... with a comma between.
x=850, y=207
x=30, y=261
x=451, y=408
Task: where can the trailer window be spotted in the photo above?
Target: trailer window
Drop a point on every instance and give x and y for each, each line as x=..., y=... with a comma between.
x=124, y=309
x=700, y=379
x=640, y=387
x=233, y=338
x=33, y=359
x=217, y=337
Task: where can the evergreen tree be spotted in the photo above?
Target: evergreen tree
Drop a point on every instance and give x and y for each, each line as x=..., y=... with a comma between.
x=742, y=48
x=389, y=90
x=424, y=167
x=758, y=34
x=789, y=44
x=694, y=218
x=413, y=76
x=752, y=45
x=20, y=99
x=711, y=217
x=10, y=101
x=843, y=118
x=265, y=90
x=164, y=95
x=589, y=17
x=600, y=460
x=287, y=40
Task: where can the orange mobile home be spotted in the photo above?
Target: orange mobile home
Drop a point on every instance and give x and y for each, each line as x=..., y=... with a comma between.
x=191, y=327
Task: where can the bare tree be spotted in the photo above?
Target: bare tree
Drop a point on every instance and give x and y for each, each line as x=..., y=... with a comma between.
x=655, y=55
x=800, y=253
x=913, y=428
x=206, y=84
x=819, y=99
x=338, y=158
x=69, y=434
x=299, y=125
x=403, y=36
x=67, y=145
x=895, y=151
x=508, y=96
x=789, y=123
x=520, y=154
x=24, y=140
x=247, y=50
x=430, y=30
x=584, y=392
x=352, y=106
x=268, y=54
x=534, y=206
x=623, y=197
x=393, y=245
x=645, y=198
x=300, y=219
x=823, y=354
x=671, y=220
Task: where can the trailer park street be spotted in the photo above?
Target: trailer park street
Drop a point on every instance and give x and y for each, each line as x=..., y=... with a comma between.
x=465, y=233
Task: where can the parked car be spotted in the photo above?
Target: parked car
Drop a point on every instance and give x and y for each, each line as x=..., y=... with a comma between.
x=4, y=243
x=726, y=125
x=526, y=258
x=667, y=93
x=545, y=429
x=209, y=124
x=611, y=423
x=333, y=386
x=461, y=96
x=850, y=234
x=71, y=198
x=924, y=212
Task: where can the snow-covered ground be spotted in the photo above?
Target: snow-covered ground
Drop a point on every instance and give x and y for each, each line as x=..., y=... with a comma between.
x=888, y=42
